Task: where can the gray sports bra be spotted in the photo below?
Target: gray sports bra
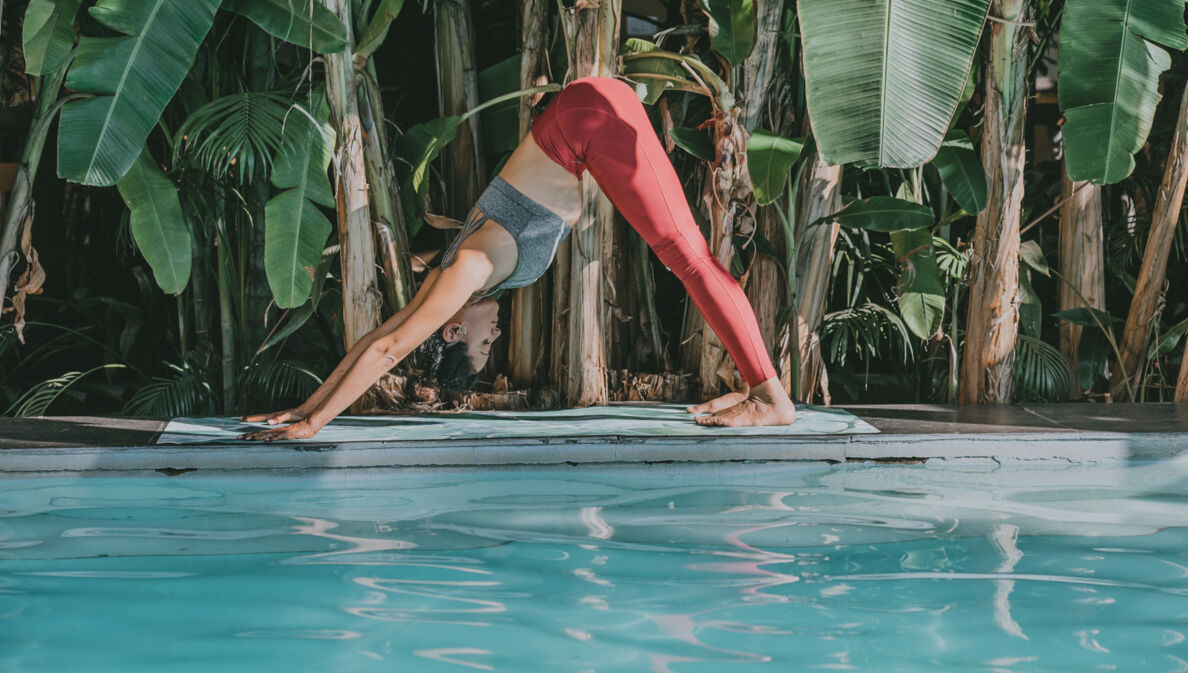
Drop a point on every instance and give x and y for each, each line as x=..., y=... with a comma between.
x=537, y=230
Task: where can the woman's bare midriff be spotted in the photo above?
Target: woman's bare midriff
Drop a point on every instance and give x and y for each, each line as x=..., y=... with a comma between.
x=543, y=180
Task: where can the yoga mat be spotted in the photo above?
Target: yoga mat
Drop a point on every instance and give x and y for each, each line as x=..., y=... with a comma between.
x=659, y=420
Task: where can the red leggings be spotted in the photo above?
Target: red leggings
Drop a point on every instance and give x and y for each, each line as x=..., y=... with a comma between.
x=598, y=124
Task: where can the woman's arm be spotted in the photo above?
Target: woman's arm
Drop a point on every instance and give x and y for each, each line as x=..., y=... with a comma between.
x=331, y=382
x=434, y=305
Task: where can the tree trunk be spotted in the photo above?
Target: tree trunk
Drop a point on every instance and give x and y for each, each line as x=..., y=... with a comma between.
x=595, y=50
x=992, y=326
x=361, y=297
x=1082, y=264
x=526, y=333
x=819, y=195
x=385, y=192
x=1148, y=290
x=767, y=286
x=229, y=360
x=1182, y=384
x=457, y=92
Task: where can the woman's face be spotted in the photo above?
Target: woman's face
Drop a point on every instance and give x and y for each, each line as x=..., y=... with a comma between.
x=477, y=325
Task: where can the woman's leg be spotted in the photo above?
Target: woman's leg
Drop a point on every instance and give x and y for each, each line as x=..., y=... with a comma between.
x=605, y=123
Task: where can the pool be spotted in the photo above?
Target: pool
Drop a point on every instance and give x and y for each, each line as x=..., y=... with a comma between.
x=938, y=566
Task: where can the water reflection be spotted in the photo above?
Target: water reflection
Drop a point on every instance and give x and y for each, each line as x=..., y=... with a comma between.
x=669, y=568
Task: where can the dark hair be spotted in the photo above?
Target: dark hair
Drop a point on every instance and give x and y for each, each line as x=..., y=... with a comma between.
x=447, y=363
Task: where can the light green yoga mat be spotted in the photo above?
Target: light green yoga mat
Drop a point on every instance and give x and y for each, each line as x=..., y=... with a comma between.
x=653, y=420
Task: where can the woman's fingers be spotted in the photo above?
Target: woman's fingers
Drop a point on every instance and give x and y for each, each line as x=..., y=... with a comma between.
x=299, y=430
x=274, y=417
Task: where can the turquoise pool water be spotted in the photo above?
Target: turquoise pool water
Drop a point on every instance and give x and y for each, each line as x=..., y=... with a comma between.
x=933, y=567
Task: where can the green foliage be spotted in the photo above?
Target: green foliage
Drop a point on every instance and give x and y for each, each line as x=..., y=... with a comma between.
x=769, y=158
x=158, y=226
x=962, y=173
x=655, y=75
x=185, y=393
x=377, y=28
x=1110, y=62
x=48, y=34
x=1041, y=372
x=133, y=78
x=295, y=230
x=38, y=399
x=288, y=20
x=500, y=123
x=731, y=28
x=870, y=330
x=234, y=134
x=884, y=213
x=416, y=149
x=921, y=294
x=270, y=384
x=884, y=77
x=693, y=141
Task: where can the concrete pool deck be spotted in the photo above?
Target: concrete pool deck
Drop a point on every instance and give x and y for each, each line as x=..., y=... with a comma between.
x=1074, y=432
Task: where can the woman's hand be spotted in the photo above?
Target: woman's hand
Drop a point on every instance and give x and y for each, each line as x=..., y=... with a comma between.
x=289, y=416
x=299, y=430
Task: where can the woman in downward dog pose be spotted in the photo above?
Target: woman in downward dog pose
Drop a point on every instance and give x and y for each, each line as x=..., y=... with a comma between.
x=509, y=240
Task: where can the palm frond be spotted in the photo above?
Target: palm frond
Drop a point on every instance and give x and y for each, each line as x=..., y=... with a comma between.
x=37, y=400
x=1041, y=372
x=232, y=135
x=869, y=330
x=266, y=384
x=186, y=393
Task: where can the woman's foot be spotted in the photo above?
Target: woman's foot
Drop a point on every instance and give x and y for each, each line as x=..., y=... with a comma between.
x=717, y=404
x=767, y=404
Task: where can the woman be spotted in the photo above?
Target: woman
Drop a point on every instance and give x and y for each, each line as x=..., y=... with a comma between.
x=509, y=240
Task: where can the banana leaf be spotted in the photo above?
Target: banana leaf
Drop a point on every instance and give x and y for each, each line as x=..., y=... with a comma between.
x=884, y=213
x=133, y=79
x=295, y=231
x=288, y=20
x=416, y=149
x=1110, y=62
x=962, y=172
x=653, y=75
x=158, y=226
x=693, y=141
x=921, y=292
x=377, y=28
x=884, y=78
x=731, y=28
x=769, y=157
x=48, y=34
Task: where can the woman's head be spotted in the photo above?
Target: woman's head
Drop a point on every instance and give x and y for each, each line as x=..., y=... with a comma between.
x=456, y=353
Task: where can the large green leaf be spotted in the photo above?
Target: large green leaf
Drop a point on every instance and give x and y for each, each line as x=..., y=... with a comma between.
x=288, y=20
x=416, y=149
x=377, y=28
x=883, y=78
x=295, y=230
x=48, y=34
x=731, y=28
x=693, y=141
x=1110, y=62
x=884, y=213
x=769, y=157
x=133, y=77
x=654, y=75
x=962, y=173
x=158, y=226
x=921, y=292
